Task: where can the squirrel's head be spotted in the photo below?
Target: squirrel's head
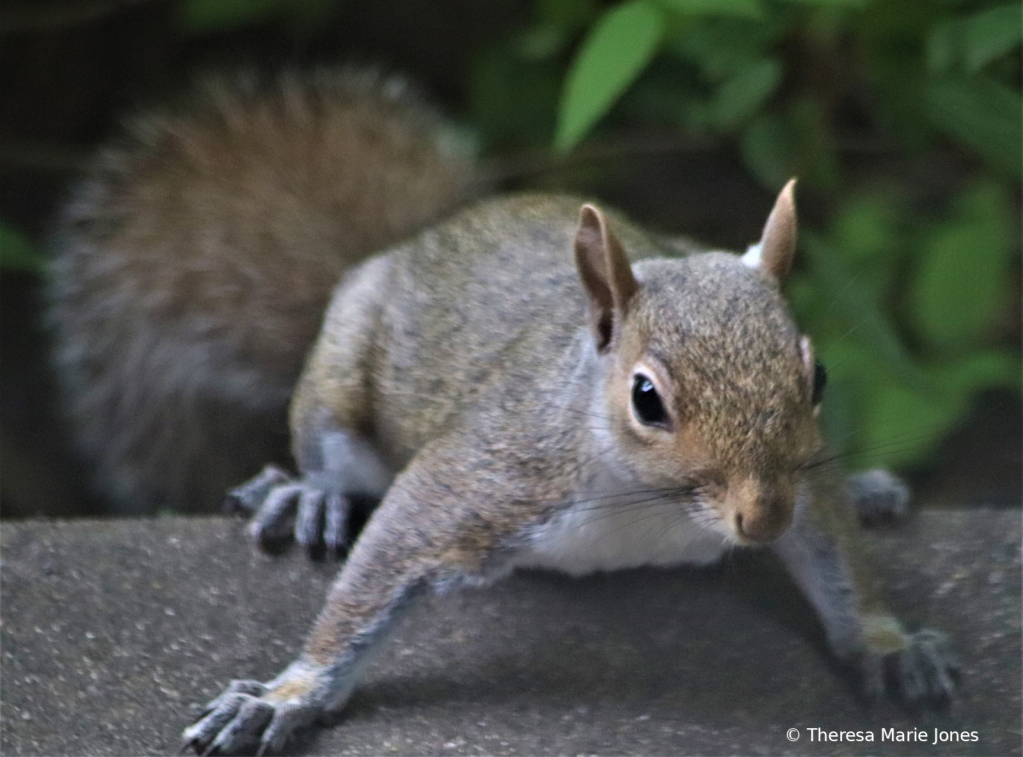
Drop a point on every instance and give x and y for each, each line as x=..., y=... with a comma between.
x=711, y=391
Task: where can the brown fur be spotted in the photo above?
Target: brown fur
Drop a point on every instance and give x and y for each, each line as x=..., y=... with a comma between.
x=194, y=263
x=496, y=378
x=457, y=355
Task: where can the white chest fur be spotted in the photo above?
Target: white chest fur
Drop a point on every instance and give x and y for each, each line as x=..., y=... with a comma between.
x=611, y=526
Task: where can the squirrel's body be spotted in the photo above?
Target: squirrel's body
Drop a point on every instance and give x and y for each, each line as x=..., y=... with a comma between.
x=514, y=308
x=533, y=413
x=498, y=323
x=529, y=383
x=194, y=264
x=507, y=298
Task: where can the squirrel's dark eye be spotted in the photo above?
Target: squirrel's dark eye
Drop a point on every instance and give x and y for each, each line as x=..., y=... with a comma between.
x=820, y=380
x=647, y=403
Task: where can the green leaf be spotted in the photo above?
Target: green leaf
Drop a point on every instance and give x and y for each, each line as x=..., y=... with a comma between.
x=903, y=424
x=969, y=44
x=743, y=94
x=851, y=298
x=869, y=236
x=983, y=370
x=944, y=46
x=740, y=8
x=962, y=282
x=991, y=34
x=981, y=114
x=866, y=228
x=17, y=253
x=900, y=425
x=614, y=53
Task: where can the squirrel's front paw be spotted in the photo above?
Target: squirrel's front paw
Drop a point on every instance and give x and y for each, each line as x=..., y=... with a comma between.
x=920, y=667
x=253, y=717
x=878, y=496
x=282, y=507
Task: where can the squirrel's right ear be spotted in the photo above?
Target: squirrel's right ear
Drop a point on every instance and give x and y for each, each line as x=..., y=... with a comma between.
x=777, y=246
x=605, y=273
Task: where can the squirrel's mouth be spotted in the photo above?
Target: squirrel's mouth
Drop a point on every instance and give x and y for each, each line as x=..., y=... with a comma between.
x=737, y=528
x=757, y=527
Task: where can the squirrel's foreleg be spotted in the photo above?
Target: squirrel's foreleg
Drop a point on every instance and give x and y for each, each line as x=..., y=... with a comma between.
x=822, y=552
x=389, y=564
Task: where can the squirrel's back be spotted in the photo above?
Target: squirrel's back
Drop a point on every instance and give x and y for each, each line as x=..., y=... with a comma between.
x=485, y=299
x=194, y=263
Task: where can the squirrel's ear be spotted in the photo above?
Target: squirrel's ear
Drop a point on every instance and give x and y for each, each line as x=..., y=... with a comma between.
x=605, y=273
x=773, y=254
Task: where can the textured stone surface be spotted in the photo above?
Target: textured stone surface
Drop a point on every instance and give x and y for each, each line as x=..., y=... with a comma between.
x=113, y=631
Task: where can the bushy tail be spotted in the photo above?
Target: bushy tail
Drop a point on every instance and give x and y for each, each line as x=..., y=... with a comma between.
x=193, y=265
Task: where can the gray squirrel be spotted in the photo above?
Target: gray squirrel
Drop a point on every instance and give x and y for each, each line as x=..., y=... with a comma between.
x=514, y=383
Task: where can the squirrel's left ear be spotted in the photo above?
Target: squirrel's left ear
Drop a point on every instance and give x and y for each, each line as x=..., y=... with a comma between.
x=777, y=246
x=605, y=272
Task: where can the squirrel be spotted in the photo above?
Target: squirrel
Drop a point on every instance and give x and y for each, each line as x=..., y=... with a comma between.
x=194, y=262
x=513, y=409
x=513, y=383
x=192, y=266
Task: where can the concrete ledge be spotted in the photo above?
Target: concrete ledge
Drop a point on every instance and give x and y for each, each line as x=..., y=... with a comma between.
x=113, y=631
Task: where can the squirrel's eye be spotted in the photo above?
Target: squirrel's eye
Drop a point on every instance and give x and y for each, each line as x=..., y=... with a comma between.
x=820, y=380
x=647, y=403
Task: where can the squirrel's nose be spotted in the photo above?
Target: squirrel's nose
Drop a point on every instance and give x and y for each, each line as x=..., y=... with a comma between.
x=764, y=522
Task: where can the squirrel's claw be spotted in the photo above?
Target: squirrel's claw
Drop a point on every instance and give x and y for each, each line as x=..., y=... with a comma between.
x=287, y=719
x=284, y=508
x=248, y=497
x=200, y=736
x=245, y=729
x=335, y=528
x=322, y=521
x=309, y=523
x=922, y=673
x=217, y=713
x=243, y=721
x=273, y=520
x=936, y=665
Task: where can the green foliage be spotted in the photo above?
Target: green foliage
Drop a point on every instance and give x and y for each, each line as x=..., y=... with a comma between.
x=970, y=43
x=905, y=288
x=744, y=93
x=17, y=253
x=500, y=83
x=959, y=284
x=981, y=114
x=898, y=389
x=746, y=8
x=619, y=47
x=210, y=16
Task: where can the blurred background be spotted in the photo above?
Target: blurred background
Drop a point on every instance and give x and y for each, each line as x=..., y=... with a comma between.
x=901, y=119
